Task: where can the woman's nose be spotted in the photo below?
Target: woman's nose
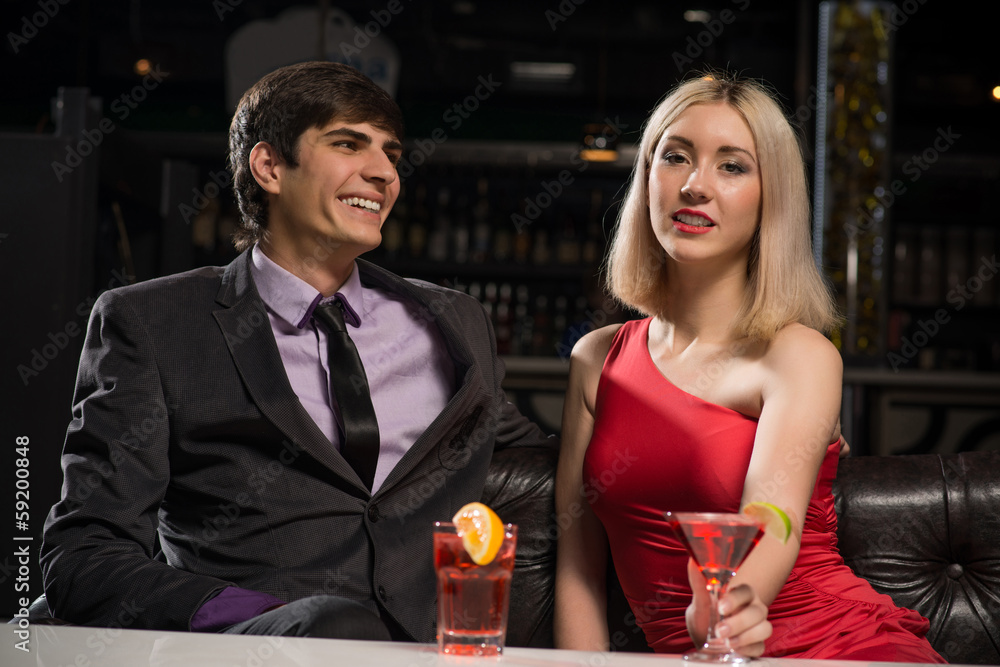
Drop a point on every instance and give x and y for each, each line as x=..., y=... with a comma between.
x=695, y=187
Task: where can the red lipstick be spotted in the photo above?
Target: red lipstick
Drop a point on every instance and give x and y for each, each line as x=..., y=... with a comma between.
x=688, y=213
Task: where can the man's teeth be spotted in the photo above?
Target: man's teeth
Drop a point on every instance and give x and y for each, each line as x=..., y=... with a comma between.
x=363, y=203
x=693, y=220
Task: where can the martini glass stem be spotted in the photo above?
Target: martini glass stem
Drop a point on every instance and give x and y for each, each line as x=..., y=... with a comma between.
x=712, y=639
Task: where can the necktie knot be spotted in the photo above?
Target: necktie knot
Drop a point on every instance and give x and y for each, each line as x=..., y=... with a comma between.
x=331, y=316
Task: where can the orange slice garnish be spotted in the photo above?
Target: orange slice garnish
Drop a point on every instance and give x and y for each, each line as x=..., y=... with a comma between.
x=481, y=531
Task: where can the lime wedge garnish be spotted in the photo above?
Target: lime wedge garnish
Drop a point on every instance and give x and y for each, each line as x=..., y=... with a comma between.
x=776, y=523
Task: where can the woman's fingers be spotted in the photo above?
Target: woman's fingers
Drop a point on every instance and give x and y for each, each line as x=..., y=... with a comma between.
x=745, y=620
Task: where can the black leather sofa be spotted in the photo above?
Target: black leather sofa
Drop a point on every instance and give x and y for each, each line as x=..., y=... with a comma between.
x=924, y=529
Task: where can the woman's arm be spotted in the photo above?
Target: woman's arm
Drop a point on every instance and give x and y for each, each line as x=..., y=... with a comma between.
x=801, y=391
x=581, y=598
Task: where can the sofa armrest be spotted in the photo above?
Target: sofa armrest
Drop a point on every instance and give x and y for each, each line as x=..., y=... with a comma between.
x=925, y=530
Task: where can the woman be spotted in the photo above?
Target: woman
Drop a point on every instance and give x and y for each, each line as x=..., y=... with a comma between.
x=726, y=393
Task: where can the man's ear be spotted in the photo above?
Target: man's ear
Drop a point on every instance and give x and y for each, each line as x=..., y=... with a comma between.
x=267, y=168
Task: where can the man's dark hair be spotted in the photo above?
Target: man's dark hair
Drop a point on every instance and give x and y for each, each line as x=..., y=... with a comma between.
x=283, y=105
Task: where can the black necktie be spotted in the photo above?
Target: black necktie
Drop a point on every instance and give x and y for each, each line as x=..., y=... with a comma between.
x=350, y=386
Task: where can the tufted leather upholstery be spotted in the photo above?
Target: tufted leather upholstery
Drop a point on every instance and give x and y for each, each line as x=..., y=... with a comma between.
x=926, y=530
x=923, y=529
x=520, y=487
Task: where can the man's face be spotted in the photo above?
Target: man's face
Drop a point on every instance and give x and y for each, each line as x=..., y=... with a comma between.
x=340, y=194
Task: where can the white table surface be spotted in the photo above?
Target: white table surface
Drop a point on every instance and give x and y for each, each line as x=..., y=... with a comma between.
x=65, y=646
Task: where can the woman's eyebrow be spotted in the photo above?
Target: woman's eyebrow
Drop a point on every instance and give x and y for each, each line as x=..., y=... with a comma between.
x=722, y=149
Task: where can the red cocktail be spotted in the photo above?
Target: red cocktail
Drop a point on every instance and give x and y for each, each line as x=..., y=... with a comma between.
x=472, y=599
x=718, y=543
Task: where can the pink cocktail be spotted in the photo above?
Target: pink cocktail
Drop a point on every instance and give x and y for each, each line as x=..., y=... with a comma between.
x=472, y=599
x=718, y=543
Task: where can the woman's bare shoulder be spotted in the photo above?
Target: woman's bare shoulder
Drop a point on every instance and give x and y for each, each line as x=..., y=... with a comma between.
x=798, y=350
x=796, y=339
x=587, y=362
x=593, y=347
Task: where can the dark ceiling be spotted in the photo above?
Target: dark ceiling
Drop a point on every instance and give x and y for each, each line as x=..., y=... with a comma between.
x=625, y=54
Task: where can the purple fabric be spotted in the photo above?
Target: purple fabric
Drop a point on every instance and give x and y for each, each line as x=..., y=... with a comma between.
x=410, y=374
x=233, y=605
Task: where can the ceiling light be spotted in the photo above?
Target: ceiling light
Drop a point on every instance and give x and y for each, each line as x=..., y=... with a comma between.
x=697, y=16
x=540, y=72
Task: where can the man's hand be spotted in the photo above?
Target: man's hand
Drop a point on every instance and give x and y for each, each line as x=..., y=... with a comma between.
x=744, y=620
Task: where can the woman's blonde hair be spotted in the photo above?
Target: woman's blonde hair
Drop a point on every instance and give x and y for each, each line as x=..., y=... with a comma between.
x=783, y=283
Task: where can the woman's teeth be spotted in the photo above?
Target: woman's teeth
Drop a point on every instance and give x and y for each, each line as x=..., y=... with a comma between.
x=366, y=204
x=693, y=220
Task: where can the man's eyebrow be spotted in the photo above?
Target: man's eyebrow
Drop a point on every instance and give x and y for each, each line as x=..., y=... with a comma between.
x=722, y=149
x=390, y=145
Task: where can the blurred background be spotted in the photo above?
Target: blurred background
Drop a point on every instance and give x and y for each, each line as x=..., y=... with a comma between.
x=522, y=119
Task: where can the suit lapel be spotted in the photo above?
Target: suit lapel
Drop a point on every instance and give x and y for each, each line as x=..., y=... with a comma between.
x=245, y=324
x=472, y=389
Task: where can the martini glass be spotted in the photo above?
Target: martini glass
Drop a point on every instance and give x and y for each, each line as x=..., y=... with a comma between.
x=718, y=543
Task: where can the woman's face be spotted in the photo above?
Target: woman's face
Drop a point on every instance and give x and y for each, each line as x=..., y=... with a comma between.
x=705, y=186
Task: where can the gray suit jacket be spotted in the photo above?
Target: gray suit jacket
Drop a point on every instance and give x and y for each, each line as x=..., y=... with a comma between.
x=190, y=465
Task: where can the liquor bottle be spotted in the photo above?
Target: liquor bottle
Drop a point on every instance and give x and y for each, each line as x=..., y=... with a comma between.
x=460, y=230
x=502, y=246
x=504, y=319
x=523, y=322
x=956, y=257
x=984, y=246
x=393, y=235
x=437, y=242
x=560, y=321
x=489, y=302
x=416, y=236
x=540, y=253
x=568, y=246
x=541, y=340
x=503, y=242
x=522, y=246
x=593, y=242
x=904, y=271
x=931, y=274
x=480, y=251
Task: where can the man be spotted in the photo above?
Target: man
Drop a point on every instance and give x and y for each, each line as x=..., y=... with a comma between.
x=213, y=481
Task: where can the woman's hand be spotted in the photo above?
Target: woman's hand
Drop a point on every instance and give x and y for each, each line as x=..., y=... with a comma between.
x=745, y=621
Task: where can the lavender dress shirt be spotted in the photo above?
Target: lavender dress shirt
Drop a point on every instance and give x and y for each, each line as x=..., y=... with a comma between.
x=410, y=375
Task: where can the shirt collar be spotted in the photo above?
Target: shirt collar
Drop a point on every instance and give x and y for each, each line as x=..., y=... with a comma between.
x=293, y=299
x=351, y=295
